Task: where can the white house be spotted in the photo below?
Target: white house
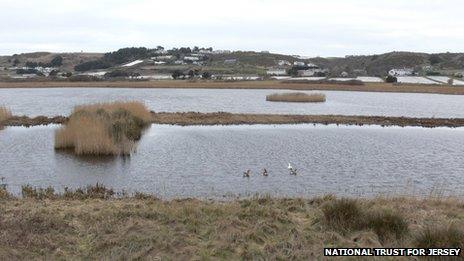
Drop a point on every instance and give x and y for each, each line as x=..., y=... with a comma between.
x=162, y=58
x=299, y=63
x=284, y=63
x=276, y=72
x=401, y=72
x=191, y=58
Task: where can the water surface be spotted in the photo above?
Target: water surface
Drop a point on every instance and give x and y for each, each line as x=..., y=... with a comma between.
x=60, y=101
x=208, y=162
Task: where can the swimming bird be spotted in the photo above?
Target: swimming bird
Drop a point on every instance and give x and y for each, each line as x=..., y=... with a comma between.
x=265, y=173
x=291, y=169
x=246, y=174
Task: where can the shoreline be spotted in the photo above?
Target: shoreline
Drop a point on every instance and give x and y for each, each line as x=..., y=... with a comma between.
x=222, y=118
x=183, y=84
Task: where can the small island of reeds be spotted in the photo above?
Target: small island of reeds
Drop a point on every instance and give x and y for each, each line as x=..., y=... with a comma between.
x=296, y=97
x=103, y=128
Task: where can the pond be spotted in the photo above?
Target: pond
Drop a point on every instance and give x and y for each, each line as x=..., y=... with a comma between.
x=60, y=101
x=208, y=162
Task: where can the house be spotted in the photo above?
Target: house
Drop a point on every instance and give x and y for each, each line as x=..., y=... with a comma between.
x=230, y=61
x=162, y=58
x=284, y=63
x=344, y=74
x=297, y=63
x=401, y=72
x=159, y=62
x=276, y=72
x=191, y=58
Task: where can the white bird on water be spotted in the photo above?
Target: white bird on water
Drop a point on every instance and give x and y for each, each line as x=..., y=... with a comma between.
x=291, y=169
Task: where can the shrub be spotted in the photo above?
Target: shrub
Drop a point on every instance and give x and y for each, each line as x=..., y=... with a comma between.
x=103, y=129
x=391, y=79
x=436, y=237
x=90, y=192
x=296, y=97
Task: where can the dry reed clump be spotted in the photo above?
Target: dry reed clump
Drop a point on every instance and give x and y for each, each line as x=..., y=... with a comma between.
x=296, y=97
x=5, y=114
x=103, y=129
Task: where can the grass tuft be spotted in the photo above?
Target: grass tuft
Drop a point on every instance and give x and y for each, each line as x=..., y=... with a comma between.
x=440, y=237
x=347, y=215
x=296, y=97
x=104, y=128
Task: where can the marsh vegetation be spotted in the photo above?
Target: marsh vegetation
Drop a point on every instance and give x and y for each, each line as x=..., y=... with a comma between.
x=96, y=223
x=104, y=128
x=296, y=97
x=5, y=114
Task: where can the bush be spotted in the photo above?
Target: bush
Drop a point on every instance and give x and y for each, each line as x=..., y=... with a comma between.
x=391, y=79
x=92, y=65
x=436, y=237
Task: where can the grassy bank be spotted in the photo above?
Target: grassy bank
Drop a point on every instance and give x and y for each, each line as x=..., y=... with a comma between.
x=91, y=223
x=222, y=118
x=367, y=87
x=103, y=129
x=296, y=97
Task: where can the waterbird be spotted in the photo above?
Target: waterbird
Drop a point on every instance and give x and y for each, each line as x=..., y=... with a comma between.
x=265, y=172
x=246, y=174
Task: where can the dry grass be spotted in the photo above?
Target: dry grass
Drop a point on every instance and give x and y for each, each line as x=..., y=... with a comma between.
x=4, y=114
x=103, y=129
x=296, y=97
x=94, y=224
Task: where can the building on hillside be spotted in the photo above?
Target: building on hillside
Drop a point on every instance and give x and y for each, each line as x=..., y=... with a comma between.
x=230, y=61
x=276, y=72
x=344, y=74
x=297, y=63
x=284, y=63
x=401, y=72
x=191, y=58
x=159, y=62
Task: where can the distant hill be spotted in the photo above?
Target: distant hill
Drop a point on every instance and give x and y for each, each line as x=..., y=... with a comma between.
x=239, y=62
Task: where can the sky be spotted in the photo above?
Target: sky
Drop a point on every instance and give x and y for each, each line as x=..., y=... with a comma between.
x=325, y=28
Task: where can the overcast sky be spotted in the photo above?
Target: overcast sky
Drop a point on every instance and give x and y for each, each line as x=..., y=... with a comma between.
x=312, y=28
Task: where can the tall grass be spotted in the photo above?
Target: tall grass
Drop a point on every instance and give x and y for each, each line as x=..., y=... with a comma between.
x=4, y=114
x=296, y=97
x=346, y=215
x=104, y=128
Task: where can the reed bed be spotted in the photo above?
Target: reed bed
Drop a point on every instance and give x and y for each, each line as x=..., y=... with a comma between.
x=5, y=114
x=103, y=128
x=296, y=97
